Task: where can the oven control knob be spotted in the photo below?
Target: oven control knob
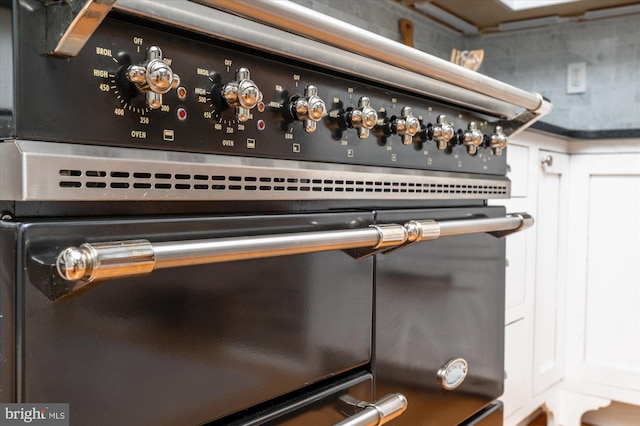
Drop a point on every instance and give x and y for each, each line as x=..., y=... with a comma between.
x=442, y=132
x=363, y=118
x=309, y=109
x=242, y=94
x=407, y=125
x=153, y=77
x=472, y=138
x=498, y=141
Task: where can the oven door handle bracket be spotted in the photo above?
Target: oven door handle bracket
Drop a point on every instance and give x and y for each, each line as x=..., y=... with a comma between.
x=99, y=261
x=526, y=222
x=377, y=413
x=390, y=237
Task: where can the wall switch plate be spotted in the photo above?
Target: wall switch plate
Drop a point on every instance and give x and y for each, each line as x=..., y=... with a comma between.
x=577, y=77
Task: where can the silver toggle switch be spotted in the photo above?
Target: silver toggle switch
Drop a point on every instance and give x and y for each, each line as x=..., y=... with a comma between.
x=473, y=138
x=310, y=109
x=406, y=125
x=442, y=132
x=242, y=94
x=363, y=118
x=498, y=141
x=153, y=77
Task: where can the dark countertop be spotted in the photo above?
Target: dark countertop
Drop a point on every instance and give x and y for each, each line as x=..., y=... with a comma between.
x=586, y=134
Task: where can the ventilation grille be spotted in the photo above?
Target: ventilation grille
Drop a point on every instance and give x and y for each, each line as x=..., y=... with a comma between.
x=146, y=181
x=46, y=171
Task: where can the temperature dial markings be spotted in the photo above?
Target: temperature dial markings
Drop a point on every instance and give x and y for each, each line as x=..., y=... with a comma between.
x=123, y=101
x=223, y=120
x=204, y=96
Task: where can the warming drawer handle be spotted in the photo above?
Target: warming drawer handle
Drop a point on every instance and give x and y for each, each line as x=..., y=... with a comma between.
x=117, y=259
x=378, y=412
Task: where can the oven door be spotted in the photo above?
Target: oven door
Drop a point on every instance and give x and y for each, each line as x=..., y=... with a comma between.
x=193, y=344
x=439, y=306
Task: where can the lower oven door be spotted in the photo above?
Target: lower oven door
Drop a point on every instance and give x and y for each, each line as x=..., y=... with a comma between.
x=439, y=314
x=325, y=405
x=184, y=346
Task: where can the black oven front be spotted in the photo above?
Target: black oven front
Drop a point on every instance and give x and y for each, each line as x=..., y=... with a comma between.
x=208, y=219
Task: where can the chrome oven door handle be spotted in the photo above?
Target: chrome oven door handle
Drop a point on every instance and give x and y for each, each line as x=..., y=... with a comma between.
x=117, y=259
x=378, y=412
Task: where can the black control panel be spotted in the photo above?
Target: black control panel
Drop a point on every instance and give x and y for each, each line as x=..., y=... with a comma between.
x=136, y=85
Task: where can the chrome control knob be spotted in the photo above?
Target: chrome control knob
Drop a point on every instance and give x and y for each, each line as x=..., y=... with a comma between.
x=242, y=94
x=363, y=118
x=309, y=109
x=442, y=132
x=406, y=125
x=498, y=141
x=153, y=77
x=472, y=138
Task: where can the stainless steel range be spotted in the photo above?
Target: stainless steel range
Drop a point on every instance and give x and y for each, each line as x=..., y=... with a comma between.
x=245, y=213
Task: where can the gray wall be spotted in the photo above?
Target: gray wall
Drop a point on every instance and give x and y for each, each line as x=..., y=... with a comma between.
x=534, y=60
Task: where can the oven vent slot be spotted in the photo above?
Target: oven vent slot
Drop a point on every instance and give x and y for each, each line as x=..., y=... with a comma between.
x=145, y=181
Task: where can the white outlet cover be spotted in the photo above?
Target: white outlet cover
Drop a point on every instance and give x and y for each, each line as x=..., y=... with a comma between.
x=577, y=77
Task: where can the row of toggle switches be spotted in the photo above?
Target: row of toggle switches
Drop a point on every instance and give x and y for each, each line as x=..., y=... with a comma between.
x=154, y=78
x=311, y=108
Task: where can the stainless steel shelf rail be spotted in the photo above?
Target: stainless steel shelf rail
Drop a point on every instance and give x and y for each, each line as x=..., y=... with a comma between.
x=304, y=21
x=106, y=260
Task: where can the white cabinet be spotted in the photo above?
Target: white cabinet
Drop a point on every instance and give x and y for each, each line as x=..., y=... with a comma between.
x=551, y=256
x=534, y=294
x=573, y=280
x=518, y=274
x=603, y=308
x=603, y=286
x=518, y=378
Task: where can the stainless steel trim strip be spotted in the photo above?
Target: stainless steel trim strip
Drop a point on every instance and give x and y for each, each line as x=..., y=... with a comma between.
x=212, y=22
x=47, y=171
x=98, y=261
x=301, y=20
x=379, y=412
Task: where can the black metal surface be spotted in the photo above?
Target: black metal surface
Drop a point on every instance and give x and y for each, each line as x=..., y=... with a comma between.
x=436, y=301
x=138, y=208
x=8, y=248
x=491, y=415
x=189, y=345
x=6, y=70
x=56, y=92
x=586, y=134
x=320, y=405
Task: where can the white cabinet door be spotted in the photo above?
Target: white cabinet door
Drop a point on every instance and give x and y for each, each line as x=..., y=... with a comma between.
x=604, y=293
x=518, y=272
x=549, y=299
x=516, y=384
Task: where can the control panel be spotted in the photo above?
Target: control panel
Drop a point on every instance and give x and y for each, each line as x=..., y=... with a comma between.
x=140, y=86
